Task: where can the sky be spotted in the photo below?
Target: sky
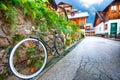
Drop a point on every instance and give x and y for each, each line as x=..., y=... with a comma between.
x=90, y=6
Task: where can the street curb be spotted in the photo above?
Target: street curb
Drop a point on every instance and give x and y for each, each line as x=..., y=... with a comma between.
x=56, y=59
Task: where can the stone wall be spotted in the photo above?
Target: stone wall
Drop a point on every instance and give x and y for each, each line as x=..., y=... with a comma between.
x=23, y=27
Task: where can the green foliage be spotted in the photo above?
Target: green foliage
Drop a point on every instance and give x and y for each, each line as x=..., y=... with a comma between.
x=3, y=47
x=30, y=50
x=68, y=41
x=40, y=64
x=82, y=35
x=36, y=9
x=40, y=15
x=3, y=6
x=17, y=37
x=10, y=16
x=33, y=61
x=64, y=47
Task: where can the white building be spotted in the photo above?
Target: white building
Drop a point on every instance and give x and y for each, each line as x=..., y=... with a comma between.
x=107, y=22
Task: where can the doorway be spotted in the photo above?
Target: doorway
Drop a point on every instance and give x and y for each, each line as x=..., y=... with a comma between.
x=113, y=30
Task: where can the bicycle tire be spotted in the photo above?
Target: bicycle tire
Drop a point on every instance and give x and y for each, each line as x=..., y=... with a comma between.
x=58, y=43
x=44, y=55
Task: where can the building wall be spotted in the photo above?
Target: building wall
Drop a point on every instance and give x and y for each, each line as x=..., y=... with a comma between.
x=60, y=11
x=100, y=29
x=68, y=9
x=89, y=30
x=114, y=21
x=113, y=11
x=111, y=15
x=79, y=20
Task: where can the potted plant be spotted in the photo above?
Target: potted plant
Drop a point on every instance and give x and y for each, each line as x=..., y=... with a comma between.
x=68, y=41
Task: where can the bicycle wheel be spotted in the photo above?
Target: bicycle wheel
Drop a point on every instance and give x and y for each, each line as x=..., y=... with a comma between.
x=58, y=43
x=28, y=58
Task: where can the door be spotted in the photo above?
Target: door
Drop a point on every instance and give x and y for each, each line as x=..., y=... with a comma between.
x=113, y=30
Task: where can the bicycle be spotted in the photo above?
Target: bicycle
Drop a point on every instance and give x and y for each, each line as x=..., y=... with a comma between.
x=29, y=56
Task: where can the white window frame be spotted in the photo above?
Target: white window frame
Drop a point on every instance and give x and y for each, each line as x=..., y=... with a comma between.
x=113, y=8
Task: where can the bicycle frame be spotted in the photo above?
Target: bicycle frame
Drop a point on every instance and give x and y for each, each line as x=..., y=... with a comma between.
x=40, y=39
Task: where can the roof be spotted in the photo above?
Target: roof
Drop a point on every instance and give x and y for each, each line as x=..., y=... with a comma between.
x=111, y=3
x=52, y=2
x=78, y=15
x=64, y=4
x=100, y=15
x=96, y=16
x=74, y=10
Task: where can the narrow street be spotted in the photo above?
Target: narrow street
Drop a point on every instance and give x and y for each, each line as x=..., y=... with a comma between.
x=94, y=58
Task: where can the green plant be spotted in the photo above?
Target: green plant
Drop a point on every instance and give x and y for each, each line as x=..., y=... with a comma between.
x=10, y=16
x=68, y=41
x=17, y=37
x=64, y=47
x=3, y=6
x=82, y=35
x=3, y=47
x=33, y=61
x=30, y=50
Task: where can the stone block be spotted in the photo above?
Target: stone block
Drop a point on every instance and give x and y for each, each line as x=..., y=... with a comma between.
x=1, y=69
x=22, y=29
x=4, y=41
x=50, y=36
x=46, y=39
x=2, y=52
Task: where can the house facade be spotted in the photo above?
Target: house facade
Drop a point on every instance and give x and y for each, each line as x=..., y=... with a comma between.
x=51, y=4
x=79, y=18
x=107, y=22
x=66, y=6
x=73, y=15
x=89, y=30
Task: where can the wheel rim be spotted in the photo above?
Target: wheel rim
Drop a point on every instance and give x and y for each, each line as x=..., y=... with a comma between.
x=13, y=67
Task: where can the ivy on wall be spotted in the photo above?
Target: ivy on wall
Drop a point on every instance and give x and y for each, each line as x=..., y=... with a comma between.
x=36, y=10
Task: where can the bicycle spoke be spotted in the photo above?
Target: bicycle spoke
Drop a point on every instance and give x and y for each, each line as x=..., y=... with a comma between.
x=28, y=58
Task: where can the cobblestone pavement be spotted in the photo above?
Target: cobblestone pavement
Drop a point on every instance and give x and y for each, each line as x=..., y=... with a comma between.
x=93, y=59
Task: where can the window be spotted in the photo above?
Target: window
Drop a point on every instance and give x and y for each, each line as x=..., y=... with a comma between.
x=81, y=25
x=105, y=27
x=113, y=8
x=72, y=13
